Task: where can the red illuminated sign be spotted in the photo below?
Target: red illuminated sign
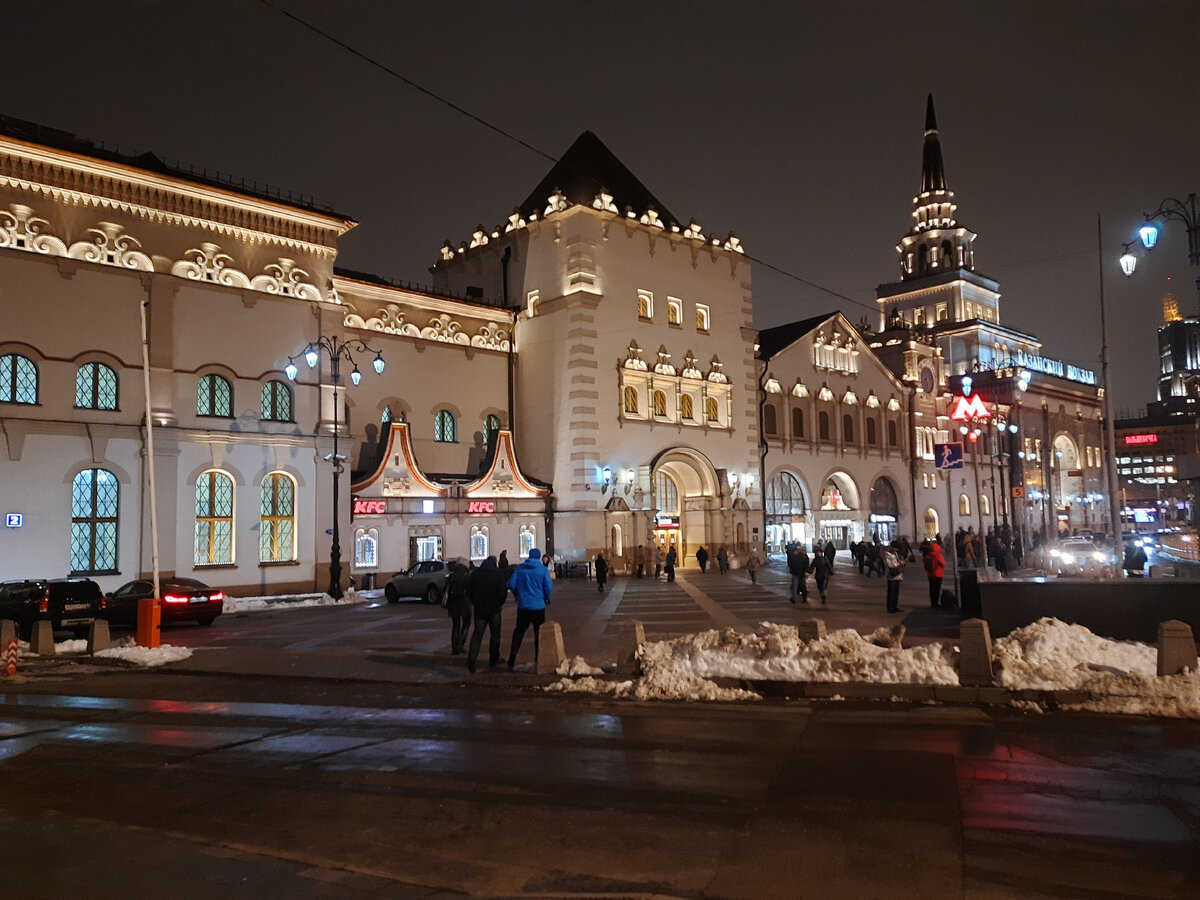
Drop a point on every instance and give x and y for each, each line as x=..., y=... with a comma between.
x=1141, y=439
x=969, y=408
x=364, y=507
x=481, y=506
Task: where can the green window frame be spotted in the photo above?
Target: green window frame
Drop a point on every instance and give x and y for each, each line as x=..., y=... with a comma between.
x=214, y=519
x=214, y=397
x=95, y=387
x=18, y=379
x=277, y=522
x=95, y=504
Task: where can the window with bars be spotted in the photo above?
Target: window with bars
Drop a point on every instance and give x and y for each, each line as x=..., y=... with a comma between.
x=445, y=427
x=491, y=427
x=277, y=522
x=18, y=379
x=214, y=397
x=686, y=407
x=479, y=542
x=214, y=519
x=366, y=548
x=528, y=539
x=95, y=502
x=95, y=387
x=277, y=402
x=660, y=404
x=631, y=400
x=711, y=409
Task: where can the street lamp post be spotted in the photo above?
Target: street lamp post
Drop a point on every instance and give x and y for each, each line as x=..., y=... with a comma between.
x=336, y=349
x=1185, y=211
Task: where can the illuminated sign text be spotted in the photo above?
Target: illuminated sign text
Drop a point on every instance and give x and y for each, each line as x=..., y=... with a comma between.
x=364, y=507
x=1141, y=439
x=481, y=506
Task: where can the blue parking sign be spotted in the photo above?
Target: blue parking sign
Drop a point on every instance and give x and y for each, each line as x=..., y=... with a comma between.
x=948, y=456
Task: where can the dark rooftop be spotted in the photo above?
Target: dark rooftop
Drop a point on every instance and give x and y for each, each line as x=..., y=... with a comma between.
x=772, y=340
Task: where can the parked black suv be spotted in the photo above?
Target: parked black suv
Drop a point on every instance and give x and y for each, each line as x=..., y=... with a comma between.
x=69, y=604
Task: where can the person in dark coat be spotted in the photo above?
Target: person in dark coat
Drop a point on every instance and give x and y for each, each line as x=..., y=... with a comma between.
x=504, y=565
x=830, y=554
x=458, y=605
x=798, y=563
x=488, y=592
x=672, y=557
x=821, y=569
x=722, y=560
x=601, y=572
x=702, y=559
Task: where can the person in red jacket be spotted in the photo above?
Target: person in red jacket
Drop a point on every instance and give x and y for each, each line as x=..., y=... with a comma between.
x=935, y=568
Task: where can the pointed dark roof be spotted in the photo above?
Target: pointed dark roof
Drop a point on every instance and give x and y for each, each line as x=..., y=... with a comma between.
x=583, y=171
x=773, y=340
x=933, y=176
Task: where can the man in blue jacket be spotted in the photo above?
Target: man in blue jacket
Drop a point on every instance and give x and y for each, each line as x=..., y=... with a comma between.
x=530, y=582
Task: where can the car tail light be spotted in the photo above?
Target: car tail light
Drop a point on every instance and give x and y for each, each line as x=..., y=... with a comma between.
x=44, y=603
x=172, y=598
x=216, y=595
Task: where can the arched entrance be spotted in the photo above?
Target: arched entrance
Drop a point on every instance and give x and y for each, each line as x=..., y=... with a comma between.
x=840, y=520
x=931, y=523
x=786, y=512
x=685, y=490
x=1068, y=480
x=885, y=510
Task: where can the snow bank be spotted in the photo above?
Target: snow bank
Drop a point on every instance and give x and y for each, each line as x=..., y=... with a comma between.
x=289, y=601
x=126, y=649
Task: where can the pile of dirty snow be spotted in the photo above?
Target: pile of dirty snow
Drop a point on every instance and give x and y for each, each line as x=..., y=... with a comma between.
x=125, y=649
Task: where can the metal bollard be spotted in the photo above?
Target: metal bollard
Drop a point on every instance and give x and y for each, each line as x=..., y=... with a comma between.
x=975, y=654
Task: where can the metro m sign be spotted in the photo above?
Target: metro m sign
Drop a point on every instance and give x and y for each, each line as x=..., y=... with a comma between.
x=969, y=408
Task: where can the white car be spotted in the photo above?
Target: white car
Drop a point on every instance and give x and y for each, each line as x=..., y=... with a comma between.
x=1081, y=556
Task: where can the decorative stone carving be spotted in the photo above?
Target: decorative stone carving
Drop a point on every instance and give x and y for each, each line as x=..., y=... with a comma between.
x=663, y=366
x=287, y=279
x=208, y=263
x=556, y=202
x=689, y=367
x=479, y=238
x=443, y=328
x=20, y=229
x=650, y=217
x=491, y=337
x=715, y=374
x=396, y=487
x=633, y=358
x=514, y=222
x=693, y=231
x=604, y=201
x=110, y=246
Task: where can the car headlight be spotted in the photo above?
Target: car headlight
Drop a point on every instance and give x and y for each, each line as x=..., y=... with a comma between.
x=1098, y=556
x=1056, y=553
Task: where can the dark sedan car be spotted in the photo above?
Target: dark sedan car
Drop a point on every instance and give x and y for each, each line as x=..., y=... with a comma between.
x=183, y=600
x=69, y=604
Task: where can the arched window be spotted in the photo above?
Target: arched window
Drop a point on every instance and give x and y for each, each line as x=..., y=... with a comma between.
x=701, y=318
x=95, y=387
x=95, y=502
x=527, y=539
x=893, y=435
x=660, y=404
x=645, y=305
x=784, y=496
x=964, y=505
x=386, y=416
x=711, y=410
x=666, y=494
x=214, y=519
x=479, y=542
x=848, y=428
x=985, y=506
x=617, y=543
x=214, y=397
x=277, y=523
x=770, y=425
x=872, y=432
x=823, y=425
x=686, y=408
x=276, y=402
x=491, y=427
x=674, y=311
x=797, y=423
x=445, y=427
x=18, y=379
x=366, y=548
x=948, y=254
x=922, y=258
x=631, y=400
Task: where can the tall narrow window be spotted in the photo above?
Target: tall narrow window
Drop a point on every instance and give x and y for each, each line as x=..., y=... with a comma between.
x=479, y=542
x=631, y=400
x=701, y=318
x=18, y=379
x=277, y=523
x=674, y=311
x=872, y=432
x=445, y=427
x=686, y=407
x=645, y=305
x=893, y=434
x=964, y=505
x=366, y=548
x=770, y=422
x=823, y=425
x=95, y=502
x=95, y=387
x=276, y=402
x=711, y=410
x=214, y=397
x=848, y=429
x=527, y=539
x=214, y=519
x=797, y=423
x=660, y=404
x=491, y=427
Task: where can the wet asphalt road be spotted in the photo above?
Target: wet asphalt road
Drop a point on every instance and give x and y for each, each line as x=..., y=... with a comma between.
x=350, y=756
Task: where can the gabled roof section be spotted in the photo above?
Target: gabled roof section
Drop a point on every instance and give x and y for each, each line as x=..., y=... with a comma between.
x=773, y=340
x=587, y=168
x=398, y=470
x=502, y=476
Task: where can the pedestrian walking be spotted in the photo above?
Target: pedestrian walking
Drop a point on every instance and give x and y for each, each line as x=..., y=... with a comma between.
x=639, y=560
x=702, y=559
x=894, y=569
x=1134, y=561
x=504, y=566
x=821, y=569
x=722, y=560
x=458, y=606
x=672, y=556
x=830, y=554
x=532, y=585
x=601, y=572
x=488, y=592
x=935, y=569
x=798, y=563
x=657, y=558
x=752, y=567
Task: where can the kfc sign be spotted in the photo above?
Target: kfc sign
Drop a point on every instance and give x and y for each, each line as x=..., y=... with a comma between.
x=364, y=507
x=1141, y=439
x=481, y=506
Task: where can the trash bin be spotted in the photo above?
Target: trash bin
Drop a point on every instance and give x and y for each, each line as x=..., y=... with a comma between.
x=368, y=581
x=971, y=606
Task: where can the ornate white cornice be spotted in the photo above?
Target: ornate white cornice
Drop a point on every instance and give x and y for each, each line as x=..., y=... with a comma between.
x=78, y=180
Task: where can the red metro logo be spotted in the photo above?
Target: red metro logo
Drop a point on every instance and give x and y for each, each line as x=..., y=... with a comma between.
x=969, y=408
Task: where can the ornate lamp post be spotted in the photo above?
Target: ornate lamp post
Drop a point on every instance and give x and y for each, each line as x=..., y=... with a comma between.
x=336, y=349
x=1185, y=211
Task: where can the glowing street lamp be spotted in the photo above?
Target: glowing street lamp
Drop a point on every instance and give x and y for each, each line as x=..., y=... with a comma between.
x=1185, y=211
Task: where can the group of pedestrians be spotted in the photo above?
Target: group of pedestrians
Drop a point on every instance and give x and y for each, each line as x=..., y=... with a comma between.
x=483, y=592
x=820, y=566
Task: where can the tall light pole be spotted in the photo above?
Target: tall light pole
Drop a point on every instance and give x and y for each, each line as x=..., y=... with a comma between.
x=336, y=349
x=1110, y=433
x=1185, y=211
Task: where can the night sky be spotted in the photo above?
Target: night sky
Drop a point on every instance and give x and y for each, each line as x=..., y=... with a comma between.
x=796, y=125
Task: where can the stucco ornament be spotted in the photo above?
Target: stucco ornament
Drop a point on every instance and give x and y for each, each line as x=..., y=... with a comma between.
x=110, y=246
x=20, y=229
x=208, y=263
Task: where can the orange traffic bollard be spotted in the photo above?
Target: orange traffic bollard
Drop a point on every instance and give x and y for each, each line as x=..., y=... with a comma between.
x=149, y=618
x=10, y=658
